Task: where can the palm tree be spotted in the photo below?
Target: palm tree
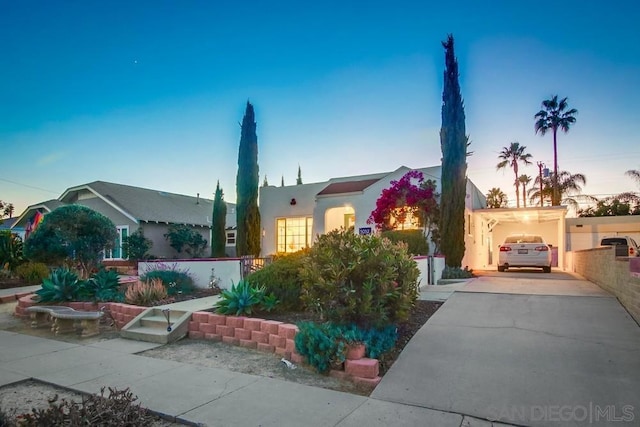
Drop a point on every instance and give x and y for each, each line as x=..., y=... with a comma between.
x=553, y=116
x=9, y=209
x=569, y=188
x=511, y=156
x=496, y=198
x=524, y=180
x=635, y=174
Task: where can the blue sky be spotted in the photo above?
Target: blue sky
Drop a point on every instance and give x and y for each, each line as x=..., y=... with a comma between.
x=150, y=93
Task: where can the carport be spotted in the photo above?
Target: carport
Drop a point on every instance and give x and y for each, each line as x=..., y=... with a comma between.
x=549, y=222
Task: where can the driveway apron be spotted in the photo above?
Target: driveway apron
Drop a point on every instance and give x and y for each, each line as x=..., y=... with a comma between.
x=527, y=350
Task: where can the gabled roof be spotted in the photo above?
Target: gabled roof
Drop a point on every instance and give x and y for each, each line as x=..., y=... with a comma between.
x=147, y=205
x=44, y=207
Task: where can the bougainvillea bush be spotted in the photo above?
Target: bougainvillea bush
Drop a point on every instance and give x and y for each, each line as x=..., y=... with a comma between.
x=365, y=280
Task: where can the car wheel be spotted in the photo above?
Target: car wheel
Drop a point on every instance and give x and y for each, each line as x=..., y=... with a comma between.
x=546, y=269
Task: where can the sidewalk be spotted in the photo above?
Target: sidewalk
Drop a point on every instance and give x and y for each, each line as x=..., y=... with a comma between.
x=198, y=394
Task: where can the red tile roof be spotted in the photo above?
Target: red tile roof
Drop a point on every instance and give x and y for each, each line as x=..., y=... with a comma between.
x=347, y=187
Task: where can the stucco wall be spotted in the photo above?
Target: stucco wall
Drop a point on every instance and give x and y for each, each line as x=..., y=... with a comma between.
x=600, y=266
x=161, y=247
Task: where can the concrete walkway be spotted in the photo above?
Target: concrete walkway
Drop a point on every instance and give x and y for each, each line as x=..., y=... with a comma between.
x=493, y=352
x=525, y=351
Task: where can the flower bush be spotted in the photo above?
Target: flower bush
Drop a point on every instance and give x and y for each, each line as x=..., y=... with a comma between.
x=366, y=280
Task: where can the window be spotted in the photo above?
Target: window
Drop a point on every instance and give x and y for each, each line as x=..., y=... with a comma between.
x=231, y=238
x=117, y=252
x=411, y=220
x=293, y=234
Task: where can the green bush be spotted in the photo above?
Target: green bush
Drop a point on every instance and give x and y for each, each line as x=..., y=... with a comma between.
x=62, y=285
x=102, y=286
x=415, y=240
x=176, y=281
x=325, y=345
x=245, y=298
x=118, y=408
x=366, y=280
x=10, y=250
x=282, y=279
x=456, y=273
x=32, y=272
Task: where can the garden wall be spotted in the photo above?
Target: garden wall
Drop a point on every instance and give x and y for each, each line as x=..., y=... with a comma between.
x=279, y=338
x=226, y=269
x=611, y=273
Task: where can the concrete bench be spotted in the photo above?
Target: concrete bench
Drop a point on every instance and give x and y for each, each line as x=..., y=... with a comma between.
x=65, y=319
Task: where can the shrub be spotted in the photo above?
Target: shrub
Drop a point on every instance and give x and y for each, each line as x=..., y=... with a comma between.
x=136, y=246
x=282, y=279
x=116, y=409
x=416, y=242
x=102, y=286
x=244, y=298
x=366, y=280
x=176, y=281
x=456, y=273
x=10, y=250
x=146, y=293
x=324, y=345
x=62, y=285
x=32, y=272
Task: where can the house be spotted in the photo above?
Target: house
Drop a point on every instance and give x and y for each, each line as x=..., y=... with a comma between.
x=7, y=224
x=130, y=208
x=292, y=216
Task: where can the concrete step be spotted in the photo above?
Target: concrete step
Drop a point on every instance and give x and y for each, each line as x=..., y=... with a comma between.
x=151, y=326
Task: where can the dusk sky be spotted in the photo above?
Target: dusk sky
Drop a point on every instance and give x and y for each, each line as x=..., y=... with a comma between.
x=151, y=93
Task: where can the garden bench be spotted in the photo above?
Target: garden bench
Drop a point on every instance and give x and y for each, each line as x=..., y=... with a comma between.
x=65, y=319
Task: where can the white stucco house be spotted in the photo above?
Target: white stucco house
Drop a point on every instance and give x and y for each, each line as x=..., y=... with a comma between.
x=292, y=216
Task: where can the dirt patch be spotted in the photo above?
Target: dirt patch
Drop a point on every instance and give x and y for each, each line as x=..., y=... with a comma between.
x=239, y=359
x=24, y=397
x=12, y=282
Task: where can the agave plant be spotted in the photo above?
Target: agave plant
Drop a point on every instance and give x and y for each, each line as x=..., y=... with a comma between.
x=240, y=299
x=103, y=286
x=62, y=285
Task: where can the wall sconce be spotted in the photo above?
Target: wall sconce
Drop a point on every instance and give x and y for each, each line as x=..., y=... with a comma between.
x=293, y=202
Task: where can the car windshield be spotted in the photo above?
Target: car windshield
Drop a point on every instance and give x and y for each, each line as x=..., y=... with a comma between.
x=523, y=239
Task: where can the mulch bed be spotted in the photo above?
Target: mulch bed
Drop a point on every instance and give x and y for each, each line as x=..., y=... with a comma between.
x=13, y=282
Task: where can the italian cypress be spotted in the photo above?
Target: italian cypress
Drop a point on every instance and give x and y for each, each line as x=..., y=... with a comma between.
x=299, y=180
x=218, y=225
x=453, y=143
x=247, y=214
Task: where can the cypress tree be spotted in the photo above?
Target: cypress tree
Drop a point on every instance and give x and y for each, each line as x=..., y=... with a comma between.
x=218, y=226
x=299, y=180
x=282, y=181
x=453, y=143
x=247, y=214
x=265, y=183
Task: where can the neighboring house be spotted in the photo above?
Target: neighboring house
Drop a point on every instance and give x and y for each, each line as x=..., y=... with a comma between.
x=130, y=208
x=7, y=224
x=292, y=216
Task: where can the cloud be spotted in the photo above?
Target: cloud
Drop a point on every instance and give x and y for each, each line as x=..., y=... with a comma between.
x=50, y=158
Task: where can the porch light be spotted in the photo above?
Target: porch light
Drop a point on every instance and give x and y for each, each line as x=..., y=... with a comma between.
x=292, y=202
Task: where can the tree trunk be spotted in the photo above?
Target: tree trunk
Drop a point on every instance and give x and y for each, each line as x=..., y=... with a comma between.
x=556, y=196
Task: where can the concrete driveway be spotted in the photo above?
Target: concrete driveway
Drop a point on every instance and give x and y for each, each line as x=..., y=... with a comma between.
x=524, y=348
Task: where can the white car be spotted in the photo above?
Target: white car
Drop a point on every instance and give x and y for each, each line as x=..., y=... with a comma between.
x=524, y=250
